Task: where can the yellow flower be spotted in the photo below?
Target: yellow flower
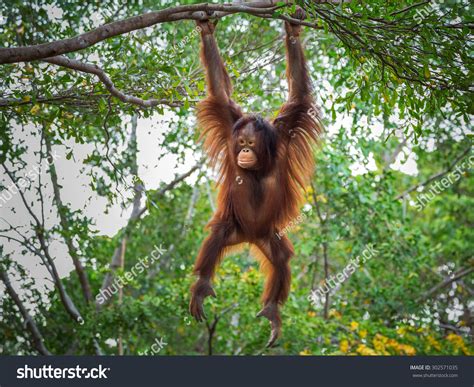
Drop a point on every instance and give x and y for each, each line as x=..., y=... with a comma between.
x=434, y=343
x=455, y=339
x=363, y=333
x=383, y=343
x=401, y=331
x=458, y=343
x=306, y=352
x=406, y=349
x=380, y=343
x=35, y=109
x=344, y=346
x=363, y=350
x=311, y=313
x=248, y=274
x=334, y=313
x=354, y=325
x=321, y=198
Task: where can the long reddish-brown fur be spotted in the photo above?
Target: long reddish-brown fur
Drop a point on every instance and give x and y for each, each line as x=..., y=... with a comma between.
x=253, y=206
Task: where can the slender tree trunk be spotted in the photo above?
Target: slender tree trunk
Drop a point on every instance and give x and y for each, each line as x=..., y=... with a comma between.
x=81, y=273
x=38, y=341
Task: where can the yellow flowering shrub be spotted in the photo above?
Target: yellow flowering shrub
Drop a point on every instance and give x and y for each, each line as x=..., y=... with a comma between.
x=306, y=352
x=344, y=346
x=433, y=343
x=363, y=350
x=354, y=325
x=458, y=343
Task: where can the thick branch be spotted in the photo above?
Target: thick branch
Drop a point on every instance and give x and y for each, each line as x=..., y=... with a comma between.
x=72, y=99
x=38, y=340
x=87, y=39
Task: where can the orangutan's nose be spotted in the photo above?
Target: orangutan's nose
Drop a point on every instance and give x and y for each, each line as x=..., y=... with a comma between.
x=246, y=150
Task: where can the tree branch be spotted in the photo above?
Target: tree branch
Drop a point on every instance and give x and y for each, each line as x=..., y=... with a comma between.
x=67, y=302
x=135, y=215
x=118, y=258
x=38, y=340
x=83, y=279
x=406, y=9
x=192, y=204
x=459, y=274
x=171, y=185
x=96, y=70
x=72, y=99
x=436, y=175
x=322, y=221
x=87, y=39
x=211, y=328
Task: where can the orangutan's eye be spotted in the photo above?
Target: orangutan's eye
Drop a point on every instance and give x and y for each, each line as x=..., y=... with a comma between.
x=251, y=143
x=241, y=141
